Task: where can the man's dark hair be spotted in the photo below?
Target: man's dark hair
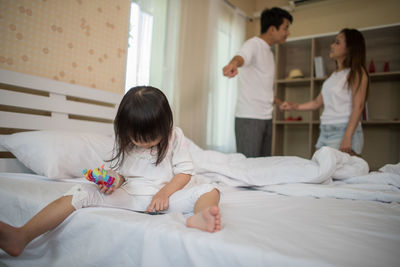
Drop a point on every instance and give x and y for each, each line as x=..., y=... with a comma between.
x=274, y=17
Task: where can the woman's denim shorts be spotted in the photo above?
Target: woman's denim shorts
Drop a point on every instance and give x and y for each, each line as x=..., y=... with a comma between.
x=332, y=135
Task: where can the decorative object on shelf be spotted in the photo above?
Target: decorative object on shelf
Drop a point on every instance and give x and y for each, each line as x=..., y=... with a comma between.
x=365, y=115
x=386, y=67
x=319, y=67
x=290, y=118
x=371, y=68
x=295, y=74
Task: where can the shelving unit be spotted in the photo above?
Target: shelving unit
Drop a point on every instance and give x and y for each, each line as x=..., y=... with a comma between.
x=381, y=129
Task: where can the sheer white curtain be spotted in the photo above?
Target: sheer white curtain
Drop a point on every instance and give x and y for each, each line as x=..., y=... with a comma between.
x=193, y=65
x=200, y=38
x=229, y=36
x=171, y=53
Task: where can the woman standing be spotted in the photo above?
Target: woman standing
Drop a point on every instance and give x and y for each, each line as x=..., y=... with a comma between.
x=343, y=95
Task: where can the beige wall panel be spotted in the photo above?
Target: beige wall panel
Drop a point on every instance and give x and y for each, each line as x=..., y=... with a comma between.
x=81, y=42
x=247, y=6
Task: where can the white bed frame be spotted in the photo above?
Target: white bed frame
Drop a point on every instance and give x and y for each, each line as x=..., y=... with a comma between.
x=34, y=103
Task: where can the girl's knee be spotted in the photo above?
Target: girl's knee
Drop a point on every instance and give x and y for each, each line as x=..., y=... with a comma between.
x=215, y=192
x=84, y=195
x=212, y=194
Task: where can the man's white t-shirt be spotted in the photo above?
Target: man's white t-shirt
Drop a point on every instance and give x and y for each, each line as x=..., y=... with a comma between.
x=256, y=80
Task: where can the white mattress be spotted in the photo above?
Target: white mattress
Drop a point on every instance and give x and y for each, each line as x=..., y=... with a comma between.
x=258, y=229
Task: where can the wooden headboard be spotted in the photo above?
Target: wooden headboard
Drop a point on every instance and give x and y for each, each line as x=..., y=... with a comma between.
x=34, y=103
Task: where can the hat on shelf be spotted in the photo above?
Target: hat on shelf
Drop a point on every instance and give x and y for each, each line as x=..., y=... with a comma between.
x=295, y=73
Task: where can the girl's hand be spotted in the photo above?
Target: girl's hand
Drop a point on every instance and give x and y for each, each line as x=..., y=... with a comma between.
x=159, y=202
x=120, y=179
x=345, y=146
x=105, y=190
x=117, y=184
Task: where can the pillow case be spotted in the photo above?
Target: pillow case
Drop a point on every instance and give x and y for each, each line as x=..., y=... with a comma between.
x=59, y=154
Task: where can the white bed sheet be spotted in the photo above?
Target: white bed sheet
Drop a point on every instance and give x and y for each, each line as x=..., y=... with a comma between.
x=258, y=229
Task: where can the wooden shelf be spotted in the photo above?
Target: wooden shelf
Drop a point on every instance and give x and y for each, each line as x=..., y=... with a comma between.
x=381, y=122
x=376, y=76
x=294, y=81
x=385, y=76
x=320, y=79
x=369, y=122
x=292, y=122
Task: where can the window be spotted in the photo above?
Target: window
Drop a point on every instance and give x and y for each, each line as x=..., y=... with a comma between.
x=139, y=48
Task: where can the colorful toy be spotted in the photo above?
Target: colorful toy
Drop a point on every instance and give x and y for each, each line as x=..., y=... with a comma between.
x=101, y=176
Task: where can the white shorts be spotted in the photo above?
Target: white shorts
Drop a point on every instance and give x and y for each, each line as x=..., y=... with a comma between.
x=87, y=195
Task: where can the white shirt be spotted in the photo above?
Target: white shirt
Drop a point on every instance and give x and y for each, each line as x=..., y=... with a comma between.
x=337, y=98
x=143, y=177
x=256, y=80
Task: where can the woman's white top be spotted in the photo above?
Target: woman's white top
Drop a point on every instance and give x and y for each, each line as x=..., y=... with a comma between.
x=143, y=177
x=256, y=80
x=337, y=98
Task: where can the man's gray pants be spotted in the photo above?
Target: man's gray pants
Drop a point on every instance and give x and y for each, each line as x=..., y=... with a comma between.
x=253, y=137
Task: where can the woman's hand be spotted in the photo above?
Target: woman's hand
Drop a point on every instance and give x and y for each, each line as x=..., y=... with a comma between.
x=287, y=106
x=159, y=202
x=345, y=146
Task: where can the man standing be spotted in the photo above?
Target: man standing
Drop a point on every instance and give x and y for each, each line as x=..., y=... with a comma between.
x=253, y=117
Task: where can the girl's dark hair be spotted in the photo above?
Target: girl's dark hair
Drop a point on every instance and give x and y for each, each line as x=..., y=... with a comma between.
x=273, y=17
x=144, y=115
x=356, y=56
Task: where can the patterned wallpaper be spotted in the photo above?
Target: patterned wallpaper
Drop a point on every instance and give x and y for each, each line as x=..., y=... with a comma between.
x=76, y=41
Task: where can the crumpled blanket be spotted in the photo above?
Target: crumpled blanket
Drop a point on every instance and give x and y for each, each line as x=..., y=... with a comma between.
x=330, y=173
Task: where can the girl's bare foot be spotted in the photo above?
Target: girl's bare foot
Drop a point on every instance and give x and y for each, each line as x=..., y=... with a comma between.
x=11, y=240
x=207, y=220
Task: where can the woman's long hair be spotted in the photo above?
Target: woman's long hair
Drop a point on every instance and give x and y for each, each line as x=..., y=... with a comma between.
x=144, y=115
x=356, y=56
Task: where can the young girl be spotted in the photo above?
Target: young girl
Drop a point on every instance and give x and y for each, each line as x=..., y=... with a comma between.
x=154, y=168
x=343, y=95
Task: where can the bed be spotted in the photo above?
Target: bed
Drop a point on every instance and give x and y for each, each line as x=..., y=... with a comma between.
x=278, y=211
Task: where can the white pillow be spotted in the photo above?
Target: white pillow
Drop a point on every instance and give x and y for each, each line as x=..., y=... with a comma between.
x=59, y=154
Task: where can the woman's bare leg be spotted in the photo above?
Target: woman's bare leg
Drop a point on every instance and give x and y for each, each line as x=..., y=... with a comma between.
x=206, y=213
x=13, y=240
